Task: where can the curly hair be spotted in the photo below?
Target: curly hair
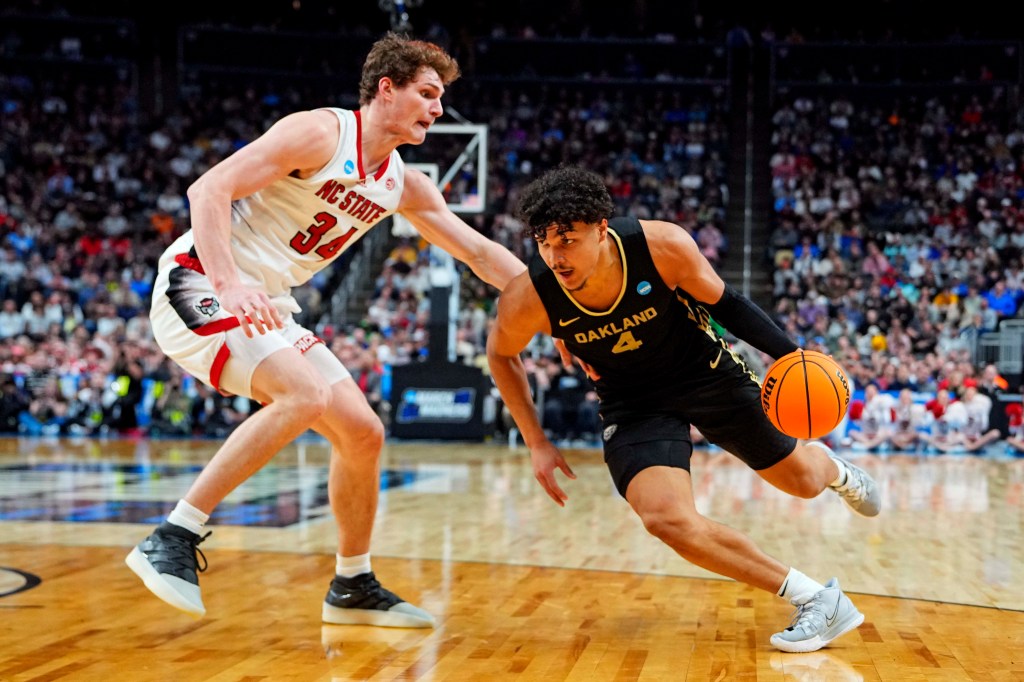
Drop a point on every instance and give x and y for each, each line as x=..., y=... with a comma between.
x=400, y=58
x=561, y=197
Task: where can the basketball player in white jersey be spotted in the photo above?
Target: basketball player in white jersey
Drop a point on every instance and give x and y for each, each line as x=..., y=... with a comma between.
x=876, y=419
x=976, y=433
x=909, y=419
x=265, y=220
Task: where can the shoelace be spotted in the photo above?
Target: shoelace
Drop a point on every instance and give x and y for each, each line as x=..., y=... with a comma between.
x=811, y=615
x=188, y=550
x=854, y=487
x=199, y=553
x=372, y=585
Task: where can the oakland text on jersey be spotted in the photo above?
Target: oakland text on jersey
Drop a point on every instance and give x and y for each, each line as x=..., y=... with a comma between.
x=613, y=329
x=355, y=204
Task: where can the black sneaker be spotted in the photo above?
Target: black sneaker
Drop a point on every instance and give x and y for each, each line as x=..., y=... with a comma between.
x=362, y=600
x=167, y=561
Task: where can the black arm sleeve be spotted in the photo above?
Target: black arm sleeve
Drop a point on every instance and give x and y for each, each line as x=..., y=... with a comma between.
x=745, y=319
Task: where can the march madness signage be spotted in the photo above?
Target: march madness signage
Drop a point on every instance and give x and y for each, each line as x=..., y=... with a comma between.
x=436, y=405
x=437, y=401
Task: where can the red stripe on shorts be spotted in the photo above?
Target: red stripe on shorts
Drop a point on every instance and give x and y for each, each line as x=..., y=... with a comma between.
x=187, y=261
x=217, y=326
x=218, y=365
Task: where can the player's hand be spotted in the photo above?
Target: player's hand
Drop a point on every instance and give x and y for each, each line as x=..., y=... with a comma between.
x=252, y=308
x=568, y=358
x=546, y=458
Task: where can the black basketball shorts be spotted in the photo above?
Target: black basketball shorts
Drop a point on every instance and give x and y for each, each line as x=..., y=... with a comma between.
x=728, y=415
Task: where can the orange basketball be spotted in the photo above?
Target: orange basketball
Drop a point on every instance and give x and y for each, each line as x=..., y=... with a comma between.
x=805, y=394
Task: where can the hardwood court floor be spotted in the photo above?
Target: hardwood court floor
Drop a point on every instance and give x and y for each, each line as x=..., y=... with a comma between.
x=522, y=589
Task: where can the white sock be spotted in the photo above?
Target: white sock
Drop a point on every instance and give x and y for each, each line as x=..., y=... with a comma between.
x=843, y=474
x=797, y=588
x=188, y=517
x=841, y=478
x=351, y=566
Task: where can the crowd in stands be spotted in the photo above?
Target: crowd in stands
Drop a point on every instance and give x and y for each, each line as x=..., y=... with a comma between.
x=91, y=195
x=957, y=417
x=898, y=242
x=897, y=245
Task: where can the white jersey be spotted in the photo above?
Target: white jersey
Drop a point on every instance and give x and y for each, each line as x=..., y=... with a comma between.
x=285, y=233
x=908, y=417
x=954, y=419
x=978, y=411
x=877, y=413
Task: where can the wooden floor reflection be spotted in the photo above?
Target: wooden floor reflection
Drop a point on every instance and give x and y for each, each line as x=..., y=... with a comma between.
x=522, y=589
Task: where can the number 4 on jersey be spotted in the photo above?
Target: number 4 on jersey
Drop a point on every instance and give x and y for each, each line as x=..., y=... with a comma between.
x=626, y=342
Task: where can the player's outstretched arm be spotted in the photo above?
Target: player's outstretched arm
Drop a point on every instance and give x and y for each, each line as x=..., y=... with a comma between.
x=681, y=264
x=424, y=207
x=520, y=316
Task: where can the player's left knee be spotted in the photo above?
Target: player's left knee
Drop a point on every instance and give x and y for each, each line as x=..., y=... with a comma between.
x=670, y=524
x=809, y=487
x=368, y=432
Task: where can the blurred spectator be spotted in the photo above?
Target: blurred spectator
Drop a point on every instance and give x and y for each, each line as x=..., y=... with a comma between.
x=368, y=374
x=172, y=410
x=216, y=415
x=47, y=413
x=13, y=402
x=976, y=433
x=88, y=410
x=1015, y=418
x=873, y=426
x=570, y=405
x=910, y=419
x=125, y=393
x=33, y=313
x=12, y=323
x=1001, y=300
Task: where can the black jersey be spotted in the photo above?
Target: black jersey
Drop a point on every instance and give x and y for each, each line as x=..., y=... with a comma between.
x=653, y=341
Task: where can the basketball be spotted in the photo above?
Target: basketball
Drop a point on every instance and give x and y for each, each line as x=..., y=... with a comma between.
x=805, y=394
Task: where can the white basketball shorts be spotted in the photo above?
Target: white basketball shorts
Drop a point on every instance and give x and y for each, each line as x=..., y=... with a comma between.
x=192, y=329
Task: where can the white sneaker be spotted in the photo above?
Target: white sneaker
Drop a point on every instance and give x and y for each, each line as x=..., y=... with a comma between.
x=860, y=491
x=167, y=561
x=362, y=600
x=825, y=616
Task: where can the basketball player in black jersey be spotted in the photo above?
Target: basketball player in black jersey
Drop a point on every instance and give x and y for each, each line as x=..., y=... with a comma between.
x=632, y=300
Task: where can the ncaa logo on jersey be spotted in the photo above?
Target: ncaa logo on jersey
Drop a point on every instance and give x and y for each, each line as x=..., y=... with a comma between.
x=349, y=166
x=609, y=431
x=207, y=306
x=390, y=184
x=643, y=288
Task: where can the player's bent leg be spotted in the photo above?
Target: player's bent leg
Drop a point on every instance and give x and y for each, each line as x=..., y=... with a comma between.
x=855, y=486
x=166, y=560
x=294, y=398
x=805, y=472
x=813, y=466
x=663, y=498
x=356, y=435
